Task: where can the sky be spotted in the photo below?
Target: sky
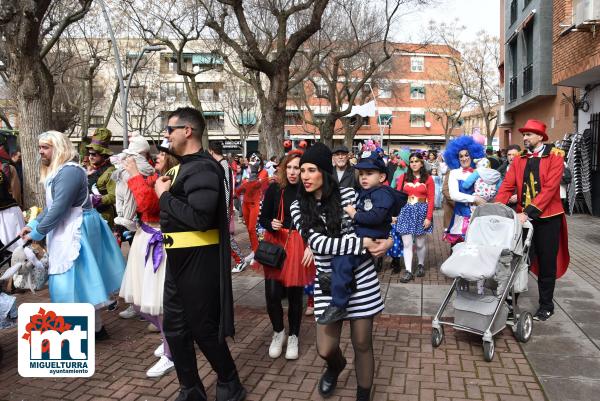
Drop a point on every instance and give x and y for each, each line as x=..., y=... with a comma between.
x=475, y=15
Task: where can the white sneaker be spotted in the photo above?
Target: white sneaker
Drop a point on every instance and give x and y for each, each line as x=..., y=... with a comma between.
x=240, y=267
x=276, y=346
x=159, y=351
x=291, y=351
x=250, y=258
x=160, y=368
x=128, y=313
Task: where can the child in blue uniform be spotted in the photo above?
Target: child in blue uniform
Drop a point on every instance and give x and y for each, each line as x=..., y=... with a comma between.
x=372, y=217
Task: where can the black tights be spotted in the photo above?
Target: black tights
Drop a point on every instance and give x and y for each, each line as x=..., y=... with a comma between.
x=328, y=347
x=274, y=294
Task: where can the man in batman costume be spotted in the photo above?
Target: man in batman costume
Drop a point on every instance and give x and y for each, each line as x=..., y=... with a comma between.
x=198, y=302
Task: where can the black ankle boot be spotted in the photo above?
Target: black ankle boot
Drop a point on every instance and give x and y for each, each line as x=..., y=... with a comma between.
x=231, y=391
x=328, y=381
x=195, y=393
x=363, y=394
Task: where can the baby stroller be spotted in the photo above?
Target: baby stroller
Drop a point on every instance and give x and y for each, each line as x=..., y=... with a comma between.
x=496, y=250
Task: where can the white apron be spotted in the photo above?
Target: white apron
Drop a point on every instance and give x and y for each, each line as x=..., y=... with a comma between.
x=64, y=240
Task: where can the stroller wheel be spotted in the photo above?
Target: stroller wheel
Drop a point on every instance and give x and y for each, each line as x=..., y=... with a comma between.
x=437, y=336
x=524, y=327
x=488, y=350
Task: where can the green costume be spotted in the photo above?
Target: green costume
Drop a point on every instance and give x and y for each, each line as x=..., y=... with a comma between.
x=105, y=204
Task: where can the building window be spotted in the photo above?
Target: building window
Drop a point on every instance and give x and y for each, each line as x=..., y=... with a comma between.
x=138, y=122
x=417, y=119
x=355, y=119
x=528, y=70
x=385, y=90
x=138, y=91
x=513, y=11
x=214, y=123
x=96, y=121
x=417, y=64
x=513, y=71
x=293, y=118
x=206, y=95
x=417, y=91
x=322, y=90
x=98, y=91
x=172, y=92
x=384, y=119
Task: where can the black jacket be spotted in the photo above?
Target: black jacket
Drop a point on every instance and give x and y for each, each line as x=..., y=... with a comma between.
x=270, y=205
x=348, y=179
x=196, y=202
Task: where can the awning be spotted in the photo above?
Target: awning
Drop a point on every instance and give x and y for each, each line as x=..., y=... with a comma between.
x=521, y=26
x=206, y=58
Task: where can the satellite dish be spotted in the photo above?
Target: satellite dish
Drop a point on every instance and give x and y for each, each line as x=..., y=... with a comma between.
x=427, y=124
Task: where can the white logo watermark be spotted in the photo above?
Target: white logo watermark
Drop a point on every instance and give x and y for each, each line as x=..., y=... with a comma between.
x=56, y=340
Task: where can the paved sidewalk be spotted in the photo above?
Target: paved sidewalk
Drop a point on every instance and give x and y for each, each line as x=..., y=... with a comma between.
x=561, y=361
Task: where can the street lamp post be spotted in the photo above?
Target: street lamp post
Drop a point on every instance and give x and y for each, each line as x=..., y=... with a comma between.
x=145, y=50
x=389, y=124
x=123, y=91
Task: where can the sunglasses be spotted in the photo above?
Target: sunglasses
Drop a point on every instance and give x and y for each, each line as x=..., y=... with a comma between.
x=171, y=128
x=92, y=153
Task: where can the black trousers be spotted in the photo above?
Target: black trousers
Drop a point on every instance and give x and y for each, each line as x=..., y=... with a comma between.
x=274, y=292
x=546, y=237
x=191, y=314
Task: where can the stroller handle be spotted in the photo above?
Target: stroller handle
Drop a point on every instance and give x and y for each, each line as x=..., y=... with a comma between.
x=9, y=244
x=527, y=225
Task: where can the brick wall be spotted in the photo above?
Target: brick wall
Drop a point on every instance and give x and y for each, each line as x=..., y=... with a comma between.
x=397, y=70
x=575, y=52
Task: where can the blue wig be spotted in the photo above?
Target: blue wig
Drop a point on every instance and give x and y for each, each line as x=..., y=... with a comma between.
x=476, y=151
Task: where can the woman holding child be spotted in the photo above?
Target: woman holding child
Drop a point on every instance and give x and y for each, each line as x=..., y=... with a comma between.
x=319, y=217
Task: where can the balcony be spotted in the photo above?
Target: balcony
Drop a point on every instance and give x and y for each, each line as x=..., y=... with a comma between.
x=512, y=89
x=528, y=79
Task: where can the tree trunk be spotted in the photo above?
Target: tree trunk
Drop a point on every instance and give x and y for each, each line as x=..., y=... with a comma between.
x=350, y=131
x=274, y=119
x=326, y=130
x=192, y=92
x=34, y=92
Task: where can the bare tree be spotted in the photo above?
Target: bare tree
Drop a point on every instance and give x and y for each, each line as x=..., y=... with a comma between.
x=29, y=30
x=476, y=71
x=266, y=36
x=177, y=25
x=354, y=51
x=242, y=107
x=444, y=99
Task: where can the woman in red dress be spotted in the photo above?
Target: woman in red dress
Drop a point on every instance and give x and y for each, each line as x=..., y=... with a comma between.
x=275, y=217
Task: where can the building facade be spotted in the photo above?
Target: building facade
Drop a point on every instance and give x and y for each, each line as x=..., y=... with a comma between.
x=526, y=70
x=576, y=54
x=408, y=98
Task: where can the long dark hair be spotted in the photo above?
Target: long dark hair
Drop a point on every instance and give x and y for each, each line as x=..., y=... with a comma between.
x=330, y=207
x=423, y=174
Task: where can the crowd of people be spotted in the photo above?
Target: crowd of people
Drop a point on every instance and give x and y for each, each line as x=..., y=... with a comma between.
x=334, y=213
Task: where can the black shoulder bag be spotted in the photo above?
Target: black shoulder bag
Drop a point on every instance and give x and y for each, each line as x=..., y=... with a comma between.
x=270, y=254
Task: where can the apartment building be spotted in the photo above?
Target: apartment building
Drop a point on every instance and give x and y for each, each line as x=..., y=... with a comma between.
x=406, y=98
x=526, y=72
x=576, y=54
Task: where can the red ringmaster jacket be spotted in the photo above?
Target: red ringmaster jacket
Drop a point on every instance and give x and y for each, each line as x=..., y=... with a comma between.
x=547, y=202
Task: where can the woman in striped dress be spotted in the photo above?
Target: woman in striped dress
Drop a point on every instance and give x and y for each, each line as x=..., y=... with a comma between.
x=319, y=217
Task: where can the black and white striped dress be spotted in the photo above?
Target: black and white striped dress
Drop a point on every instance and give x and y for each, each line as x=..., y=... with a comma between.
x=366, y=301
